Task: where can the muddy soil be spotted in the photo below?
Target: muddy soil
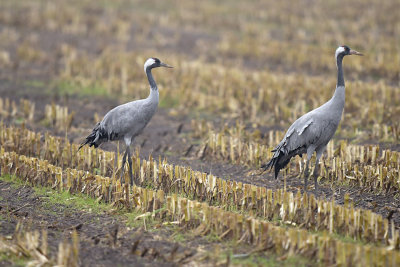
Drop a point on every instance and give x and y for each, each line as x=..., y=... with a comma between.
x=169, y=137
x=166, y=136
x=105, y=239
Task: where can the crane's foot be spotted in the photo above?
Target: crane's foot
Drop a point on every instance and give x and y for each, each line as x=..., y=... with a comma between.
x=130, y=168
x=123, y=165
x=132, y=182
x=306, y=180
x=122, y=176
x=316, y=180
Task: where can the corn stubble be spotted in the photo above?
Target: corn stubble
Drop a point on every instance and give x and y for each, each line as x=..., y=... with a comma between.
x=232, y=210
x=196, y=200
x=32, y=246
x=56, y=116
x=366, y=166
x=259, y=96
x=10, y=109
x=59, y=117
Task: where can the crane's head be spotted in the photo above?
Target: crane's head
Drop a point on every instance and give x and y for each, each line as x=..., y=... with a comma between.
x=344, y=50
x=154, y=63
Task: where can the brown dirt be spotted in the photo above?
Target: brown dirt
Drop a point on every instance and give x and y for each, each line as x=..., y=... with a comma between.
x=169, y=136
x=166, y=136
x=104, y=238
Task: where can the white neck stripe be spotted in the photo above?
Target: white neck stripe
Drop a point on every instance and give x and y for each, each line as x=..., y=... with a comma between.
x=148, y=63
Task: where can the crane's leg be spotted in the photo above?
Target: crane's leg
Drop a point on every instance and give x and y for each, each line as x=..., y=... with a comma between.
x=130, y=165
x=306, y=173
x=310, y=151
x=123, y=165
x=316, y=169
x=315, y=174
x=128, y=140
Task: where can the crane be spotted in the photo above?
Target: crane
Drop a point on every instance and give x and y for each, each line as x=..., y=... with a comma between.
x=311, y=132
x=127, y=121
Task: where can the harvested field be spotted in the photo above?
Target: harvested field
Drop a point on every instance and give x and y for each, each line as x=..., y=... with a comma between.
x=243, y=72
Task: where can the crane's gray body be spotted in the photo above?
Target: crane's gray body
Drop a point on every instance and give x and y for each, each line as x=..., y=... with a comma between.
x=126, y=121
x=311, y=132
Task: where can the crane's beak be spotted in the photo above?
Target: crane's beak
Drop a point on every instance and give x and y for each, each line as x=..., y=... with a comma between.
x=354, y=52
x=165, y=65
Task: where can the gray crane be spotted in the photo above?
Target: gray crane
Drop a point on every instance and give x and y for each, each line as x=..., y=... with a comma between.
x=127, y=121
x=312, y=131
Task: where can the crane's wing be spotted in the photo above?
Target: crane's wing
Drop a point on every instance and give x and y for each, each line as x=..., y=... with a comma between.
x=310, y=129
x=115, y=124
x=299, y=135
x=123, y=119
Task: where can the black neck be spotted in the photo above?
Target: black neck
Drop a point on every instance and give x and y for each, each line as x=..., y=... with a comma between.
x=152, y=82
x=340, y=78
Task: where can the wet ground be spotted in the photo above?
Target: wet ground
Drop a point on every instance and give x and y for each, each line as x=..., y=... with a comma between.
x=105, y=239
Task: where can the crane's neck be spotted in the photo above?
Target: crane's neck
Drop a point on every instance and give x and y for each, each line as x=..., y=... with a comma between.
x=153, y=96
x=152, y=82
x=339, y=95
x=340, y=78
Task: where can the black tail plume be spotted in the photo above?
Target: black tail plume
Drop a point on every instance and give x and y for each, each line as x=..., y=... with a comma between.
x=93, y=138
x=279, y=160
x=274, y=162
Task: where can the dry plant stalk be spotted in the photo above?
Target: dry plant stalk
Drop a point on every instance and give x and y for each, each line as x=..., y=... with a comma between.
x=218, y=88
x=365, y=166
x=204, y=218
x=294, y=209
x=9, y=108
x=59, y=117
x=33, y=247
